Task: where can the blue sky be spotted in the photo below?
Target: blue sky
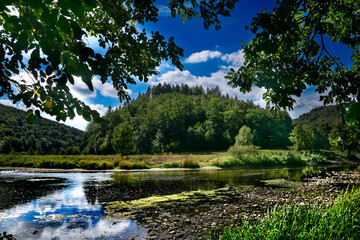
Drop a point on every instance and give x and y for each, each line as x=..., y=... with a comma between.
x=207, y=56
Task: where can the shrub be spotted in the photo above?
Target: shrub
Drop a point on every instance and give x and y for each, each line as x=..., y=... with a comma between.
x=172, y=164
x=238, y=150
x=189, y=163
x=133, y=165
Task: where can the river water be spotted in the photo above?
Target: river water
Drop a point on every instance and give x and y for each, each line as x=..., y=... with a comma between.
x=37, y=205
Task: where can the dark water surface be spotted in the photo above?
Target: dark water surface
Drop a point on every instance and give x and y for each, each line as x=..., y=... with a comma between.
x=69, y=205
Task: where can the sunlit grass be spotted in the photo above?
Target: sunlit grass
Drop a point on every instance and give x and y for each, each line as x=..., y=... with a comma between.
x=339, y=220
x=268, y=158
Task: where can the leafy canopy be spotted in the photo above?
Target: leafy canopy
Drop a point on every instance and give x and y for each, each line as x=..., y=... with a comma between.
x=289, y=53
x=53, y=34
x=123, y=139
x=244, y=137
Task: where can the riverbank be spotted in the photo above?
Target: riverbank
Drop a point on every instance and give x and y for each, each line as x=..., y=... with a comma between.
x=185, y=160
x=182, y=219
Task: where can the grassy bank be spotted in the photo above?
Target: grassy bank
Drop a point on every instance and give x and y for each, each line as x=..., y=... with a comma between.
x=339, y=220
x=269, y=158
x=103, y=162
x=183, y=160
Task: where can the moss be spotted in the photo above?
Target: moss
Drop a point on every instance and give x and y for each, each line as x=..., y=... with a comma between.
x=122, y=208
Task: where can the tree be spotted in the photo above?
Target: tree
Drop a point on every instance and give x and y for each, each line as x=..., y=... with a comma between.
x=290, y=51
x=54, y=35
x=302, y=137
x=123, y=139
x=243, y=143
x=245, y=137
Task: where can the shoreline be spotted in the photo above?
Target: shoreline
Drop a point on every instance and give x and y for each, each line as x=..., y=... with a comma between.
x=53, y=170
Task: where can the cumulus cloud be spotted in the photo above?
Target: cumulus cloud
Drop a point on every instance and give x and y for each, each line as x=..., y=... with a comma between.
x=80, y=90
x=106, y=89
x=164, y=11
x=308, y=101
x=202, y=56
x=99, y=108
x=216, y=79
x=7, y=102
x=79, y=122
x=236, y=59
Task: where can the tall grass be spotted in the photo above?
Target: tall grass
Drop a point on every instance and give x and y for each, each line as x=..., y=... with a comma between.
x=184, y=163
x=272, y=158
x=68, y=162
x=339, y=220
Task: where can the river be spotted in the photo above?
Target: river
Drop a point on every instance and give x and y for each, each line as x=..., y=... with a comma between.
x=36, y=205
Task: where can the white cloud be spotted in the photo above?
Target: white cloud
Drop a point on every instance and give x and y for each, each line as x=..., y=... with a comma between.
x=99, y=108
x=308, y=101
x=106, y=89
x=164, y=10
x=80, y=90
x=216, y=79
x=7, y=102
x=79, y=122
x=202, y=56
x=236, y=59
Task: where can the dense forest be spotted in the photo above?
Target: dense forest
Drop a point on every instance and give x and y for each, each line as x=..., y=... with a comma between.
x=181, y=118
x=170, y=119
x=322, y=117
x=42, y=137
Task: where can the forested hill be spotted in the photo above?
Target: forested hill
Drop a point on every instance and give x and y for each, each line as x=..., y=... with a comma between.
x=327, y=116
x=180, y=118
x=42, y=137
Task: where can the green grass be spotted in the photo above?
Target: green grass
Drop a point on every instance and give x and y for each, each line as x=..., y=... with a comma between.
x=184, y=163
x=168, y=160
x=68, y=162
x=268, y=158
x=339, y=220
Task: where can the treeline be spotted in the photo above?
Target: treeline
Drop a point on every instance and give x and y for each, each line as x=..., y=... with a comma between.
x=196, y=90
x=42, y=137
x=317, y=129
x=182, y=118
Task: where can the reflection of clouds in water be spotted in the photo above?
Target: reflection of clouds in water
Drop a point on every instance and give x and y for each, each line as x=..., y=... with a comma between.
x=65, y=213
x=103, y=229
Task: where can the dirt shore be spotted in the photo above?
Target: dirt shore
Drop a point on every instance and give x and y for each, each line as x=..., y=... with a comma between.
x=188, y=220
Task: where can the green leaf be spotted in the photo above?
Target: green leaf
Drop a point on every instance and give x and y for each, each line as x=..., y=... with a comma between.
x=91, y=3
x=36, y=4
x=28, y=95
x=31, y=118
x=77, y=8
x=87, y=116
x=48, y=70
x=64, y=25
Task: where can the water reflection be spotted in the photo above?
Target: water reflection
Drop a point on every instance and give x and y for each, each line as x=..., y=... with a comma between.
x=66, y=212
x=125, y=186
x=72, y=206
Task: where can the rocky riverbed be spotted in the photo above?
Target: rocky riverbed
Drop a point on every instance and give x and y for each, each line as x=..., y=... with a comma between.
x=193, y=215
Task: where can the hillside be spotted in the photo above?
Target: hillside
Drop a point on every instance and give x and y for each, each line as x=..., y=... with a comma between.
x=327, y=116
x=180, y=118
x=42, y=137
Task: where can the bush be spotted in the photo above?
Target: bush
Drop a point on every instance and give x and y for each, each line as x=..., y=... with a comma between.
x=189, y=163
x=133, y=165
x=172, y=164
x=238, y=150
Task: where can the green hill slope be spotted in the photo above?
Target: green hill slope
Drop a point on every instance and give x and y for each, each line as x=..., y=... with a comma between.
x=321, y=116
x=44, y=136
x=180, y=118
